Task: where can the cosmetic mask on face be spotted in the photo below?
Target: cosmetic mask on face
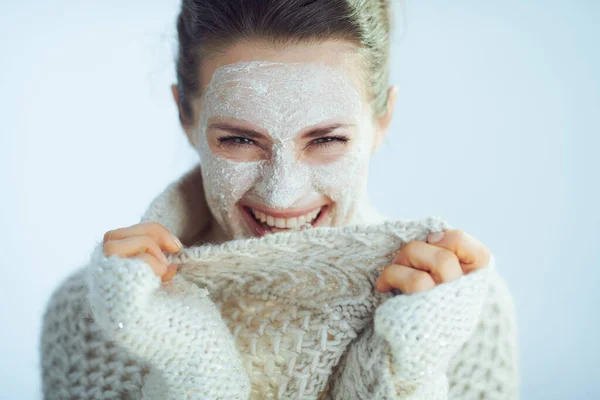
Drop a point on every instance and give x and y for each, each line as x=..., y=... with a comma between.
x=282, y=99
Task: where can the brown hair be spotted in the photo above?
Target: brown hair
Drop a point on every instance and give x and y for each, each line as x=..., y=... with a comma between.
x=204, y=26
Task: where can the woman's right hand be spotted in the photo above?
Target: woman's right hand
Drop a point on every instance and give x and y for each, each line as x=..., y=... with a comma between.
x=146, y=241
x=176, y=328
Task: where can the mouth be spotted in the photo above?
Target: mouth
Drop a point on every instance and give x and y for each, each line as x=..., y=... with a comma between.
x=263, y=223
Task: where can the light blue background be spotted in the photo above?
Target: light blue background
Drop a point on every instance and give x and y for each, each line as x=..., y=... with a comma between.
x=496, y=130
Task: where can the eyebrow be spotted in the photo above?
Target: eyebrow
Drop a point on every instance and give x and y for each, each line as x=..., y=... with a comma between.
x=237, y=130
x=313, y=133
x=318, y=132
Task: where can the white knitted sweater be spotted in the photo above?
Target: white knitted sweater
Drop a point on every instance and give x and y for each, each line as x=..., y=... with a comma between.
x=290, y=315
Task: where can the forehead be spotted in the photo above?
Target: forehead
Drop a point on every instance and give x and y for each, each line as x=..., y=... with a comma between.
x=272, y=93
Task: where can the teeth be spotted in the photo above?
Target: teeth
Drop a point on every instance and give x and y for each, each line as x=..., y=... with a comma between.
x=285, y=222
x=291, y=222
x=260, y=216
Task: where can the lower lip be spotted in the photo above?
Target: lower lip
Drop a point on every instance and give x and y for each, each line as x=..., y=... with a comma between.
x=259, y=229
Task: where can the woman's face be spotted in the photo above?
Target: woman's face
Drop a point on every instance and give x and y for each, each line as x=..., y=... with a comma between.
x=285, y=140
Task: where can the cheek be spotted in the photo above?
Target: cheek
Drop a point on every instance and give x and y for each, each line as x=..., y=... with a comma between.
x=342, y=178
x=346, y=177
x=328, y=154
x=226, y=181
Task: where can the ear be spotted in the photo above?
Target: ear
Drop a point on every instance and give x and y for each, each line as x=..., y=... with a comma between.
x=383, y=120
x=187, y=127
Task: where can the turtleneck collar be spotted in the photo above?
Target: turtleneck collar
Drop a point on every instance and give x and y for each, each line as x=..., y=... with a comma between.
x=182, y=208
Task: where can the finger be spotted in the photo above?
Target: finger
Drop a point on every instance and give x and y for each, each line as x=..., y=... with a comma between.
x=158, y=267
x=167, y=241
x=171, y=271
x=132, y=246
x=471, y=253
x=407, y=279
x=442, y=264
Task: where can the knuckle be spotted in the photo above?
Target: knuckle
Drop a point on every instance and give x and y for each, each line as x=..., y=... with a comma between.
x=419, y=281
x=145, y=241
x=445, y=258
x=410, y=247
x=153, y=244
x=107, y=235
x=455, y=236
x=458, y=234
x=109, y=249
x=159, y=232
x=157, y=228
x=385, y=275
x=404, y=254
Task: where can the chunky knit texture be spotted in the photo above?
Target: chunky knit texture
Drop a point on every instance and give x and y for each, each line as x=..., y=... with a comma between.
x=290, y=315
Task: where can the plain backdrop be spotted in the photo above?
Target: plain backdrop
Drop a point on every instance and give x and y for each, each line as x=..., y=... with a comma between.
x=496, y=130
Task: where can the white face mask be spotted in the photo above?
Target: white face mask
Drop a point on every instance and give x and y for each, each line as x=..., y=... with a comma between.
x=282, y=99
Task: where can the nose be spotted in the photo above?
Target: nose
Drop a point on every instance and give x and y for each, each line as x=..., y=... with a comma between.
x=283, y=181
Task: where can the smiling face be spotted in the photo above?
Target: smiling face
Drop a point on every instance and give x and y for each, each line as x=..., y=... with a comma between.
x=284, y=144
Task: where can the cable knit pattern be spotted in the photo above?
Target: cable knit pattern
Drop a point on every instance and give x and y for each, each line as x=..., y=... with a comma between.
x=415, y=336
x=176, y=328
x=291, y=315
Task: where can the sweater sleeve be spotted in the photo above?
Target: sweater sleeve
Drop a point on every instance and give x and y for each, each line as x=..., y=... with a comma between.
x=175, y=327
x=77, y=360
x=487, y=364
x=417, y=339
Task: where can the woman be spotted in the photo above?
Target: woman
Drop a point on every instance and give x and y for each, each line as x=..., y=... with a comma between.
x=285, y=102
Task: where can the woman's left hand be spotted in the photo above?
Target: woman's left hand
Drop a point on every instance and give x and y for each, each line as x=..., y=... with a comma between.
x=420, y=266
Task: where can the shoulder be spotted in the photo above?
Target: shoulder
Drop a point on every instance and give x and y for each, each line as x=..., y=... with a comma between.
x=77, y=359
x=66, y=308
x=68, y=292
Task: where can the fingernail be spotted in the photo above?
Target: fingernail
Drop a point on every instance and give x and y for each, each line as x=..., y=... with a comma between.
x=177, y=241
x=435, y=237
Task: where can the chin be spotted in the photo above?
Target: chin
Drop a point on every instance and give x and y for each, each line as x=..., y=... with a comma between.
x=260, y=220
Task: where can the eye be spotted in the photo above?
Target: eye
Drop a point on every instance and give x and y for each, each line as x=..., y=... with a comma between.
x=236, y=141
x=328, y=141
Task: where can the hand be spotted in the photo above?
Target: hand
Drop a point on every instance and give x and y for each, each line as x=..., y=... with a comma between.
x=145, y=241
x=420, y=266
x=138, y=311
